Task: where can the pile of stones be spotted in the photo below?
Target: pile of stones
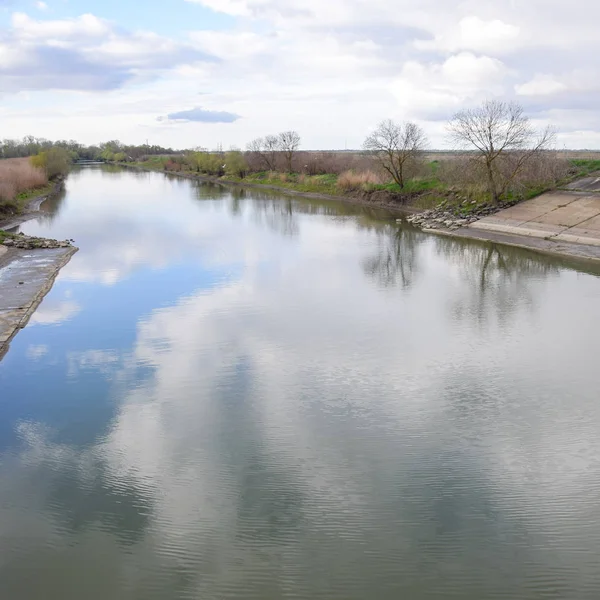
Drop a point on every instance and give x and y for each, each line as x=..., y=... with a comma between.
x=26, y=242
x=455, y=216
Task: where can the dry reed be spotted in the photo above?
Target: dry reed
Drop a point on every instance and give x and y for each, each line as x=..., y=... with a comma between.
x=350, y=180
x=18, y=175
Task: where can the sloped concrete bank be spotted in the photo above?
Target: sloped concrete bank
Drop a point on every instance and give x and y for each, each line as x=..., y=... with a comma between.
x=565, y=223
x=28, y=268
x=26, y=276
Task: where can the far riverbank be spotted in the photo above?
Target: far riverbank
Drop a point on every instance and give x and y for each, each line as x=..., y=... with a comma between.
x=543, y=245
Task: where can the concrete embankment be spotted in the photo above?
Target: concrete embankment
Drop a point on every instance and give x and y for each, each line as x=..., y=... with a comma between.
x=28, y=268
x=562, y=222
x=26, y=276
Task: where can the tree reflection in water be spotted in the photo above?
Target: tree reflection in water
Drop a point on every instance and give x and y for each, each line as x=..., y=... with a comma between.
x=397, y=258
x=494, y=279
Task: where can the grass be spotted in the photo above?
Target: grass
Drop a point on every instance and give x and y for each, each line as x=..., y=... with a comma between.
x=412, y=186
x=20, y=201
x=5, y=235
x=316, y=184
x=585, y=166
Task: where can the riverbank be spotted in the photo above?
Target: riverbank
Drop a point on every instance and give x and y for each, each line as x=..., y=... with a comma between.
x=28, y=267
x=460, y=222
x=374, y=199
x=29, y=204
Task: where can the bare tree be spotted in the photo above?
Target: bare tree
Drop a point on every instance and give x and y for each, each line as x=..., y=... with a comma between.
x=503, y=138
x=289, y=142
x=395, y=146
x=265, y=149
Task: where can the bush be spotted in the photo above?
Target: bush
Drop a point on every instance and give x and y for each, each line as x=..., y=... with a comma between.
x=171, y=165
x=55, y=161
x=235, y=164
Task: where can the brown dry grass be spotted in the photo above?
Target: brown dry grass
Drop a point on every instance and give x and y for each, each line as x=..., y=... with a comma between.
x=351, y=180
x=17, y=175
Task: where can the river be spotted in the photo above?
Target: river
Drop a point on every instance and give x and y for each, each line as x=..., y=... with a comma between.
x=236, y=394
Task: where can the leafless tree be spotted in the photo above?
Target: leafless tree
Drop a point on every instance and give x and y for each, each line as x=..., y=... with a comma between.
x=265, y=149
x=503, y=138
x=395, y=146
x=289, y=142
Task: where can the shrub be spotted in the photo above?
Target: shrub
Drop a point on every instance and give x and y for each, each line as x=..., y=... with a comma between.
x=171, y=165
x=55, y=161
x=235, y=164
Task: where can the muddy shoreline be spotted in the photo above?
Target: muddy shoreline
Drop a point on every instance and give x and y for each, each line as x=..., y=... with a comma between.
x=32, y=209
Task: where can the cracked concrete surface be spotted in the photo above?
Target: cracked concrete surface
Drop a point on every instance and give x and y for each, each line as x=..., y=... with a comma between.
x=26, y=276
x=560, y=216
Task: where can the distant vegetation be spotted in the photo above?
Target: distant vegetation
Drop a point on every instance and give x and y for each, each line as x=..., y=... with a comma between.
x=30, y=146
x=30, y=164
x=497, y=156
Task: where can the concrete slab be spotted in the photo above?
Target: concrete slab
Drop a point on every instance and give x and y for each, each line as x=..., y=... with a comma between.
x=551, y=200
x=591, y=183
x=572, y=217
x=514, y=230
x=592, y=224
x=26, y=276
x=522, y=214
x=575, y=238
x=590, y=201
x=569, y=216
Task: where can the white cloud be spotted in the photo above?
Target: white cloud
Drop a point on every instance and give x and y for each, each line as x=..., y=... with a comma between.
x=35, y=352
x=41, y=5
x=309, y=65
x=475, y=34
x=82, y=27
x=53, y=312
x=540, y=85
x=436, y=90
x=236, y=8
x=103, y=361
x=83, y=53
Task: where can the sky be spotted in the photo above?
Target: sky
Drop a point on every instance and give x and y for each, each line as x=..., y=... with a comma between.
x=188, y=73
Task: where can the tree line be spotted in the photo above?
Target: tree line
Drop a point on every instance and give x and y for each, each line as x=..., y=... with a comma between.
x=496, y=147
x=111, y=150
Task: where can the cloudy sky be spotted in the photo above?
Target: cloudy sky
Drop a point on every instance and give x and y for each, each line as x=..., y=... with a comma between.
x=206, y=72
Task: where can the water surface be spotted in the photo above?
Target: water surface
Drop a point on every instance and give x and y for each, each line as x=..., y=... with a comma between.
x=232, y=394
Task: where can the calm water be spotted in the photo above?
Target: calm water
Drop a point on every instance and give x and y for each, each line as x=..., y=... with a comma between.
x=231, y=394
